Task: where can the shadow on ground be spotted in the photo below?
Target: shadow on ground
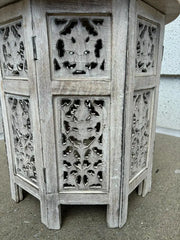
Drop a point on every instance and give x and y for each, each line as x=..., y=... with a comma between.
x=154, y=217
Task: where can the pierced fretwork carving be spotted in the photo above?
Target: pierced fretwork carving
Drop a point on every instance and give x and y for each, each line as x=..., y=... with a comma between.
x=19, y=118
x=13, y=58
x=80, y=46
x=83, y=149
x=146, y=48
x=140, y=131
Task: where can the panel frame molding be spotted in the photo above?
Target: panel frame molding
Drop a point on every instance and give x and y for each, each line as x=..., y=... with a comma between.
x=14, y=156
x=150, y=118
x=83, y=77
x=105, y=147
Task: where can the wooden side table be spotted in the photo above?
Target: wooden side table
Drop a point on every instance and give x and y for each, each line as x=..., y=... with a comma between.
x=79, y=91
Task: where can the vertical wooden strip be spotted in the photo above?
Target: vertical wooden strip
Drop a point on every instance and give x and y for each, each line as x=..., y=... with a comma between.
x=48, y=195
x=129, y=88
x=119, y=40
x=33, y=92
x=45, y=96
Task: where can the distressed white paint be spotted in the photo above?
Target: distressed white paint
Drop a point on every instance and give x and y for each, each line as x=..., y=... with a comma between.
x=105, y=108
x=83, y=143
x=80, y=50
x=166, y=120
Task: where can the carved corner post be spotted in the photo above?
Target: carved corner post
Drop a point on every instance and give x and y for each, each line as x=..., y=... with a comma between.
x=146, y=32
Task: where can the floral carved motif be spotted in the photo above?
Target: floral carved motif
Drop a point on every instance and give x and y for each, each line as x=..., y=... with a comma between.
x=19, y=111
x=80, y=46
x=146, y=49
x=83, y=145
x=12, y=50
x=140, y=131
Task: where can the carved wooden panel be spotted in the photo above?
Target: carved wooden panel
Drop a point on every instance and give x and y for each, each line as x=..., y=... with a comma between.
x=146, y=48
x=12, y=49
x=82, y=130
x=22, y=137
x=140, y=131
x=80, y=46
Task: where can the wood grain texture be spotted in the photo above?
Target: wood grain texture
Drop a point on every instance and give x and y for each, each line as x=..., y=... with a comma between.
x=84, y=198
x=112, y=89
x=144, y=82
x=76, y=7
x=34, y=101
x=46, y=89
x=129, y=88
x=16, y=87
x=138, y=181
x=81, y=88
x=119, y=41
x=28, y=187
x=45, y=97
x=169, y=8
x=50, y=211
x=147, y=79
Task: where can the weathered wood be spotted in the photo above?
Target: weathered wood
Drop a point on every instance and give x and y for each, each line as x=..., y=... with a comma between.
x=140, y=82
x=144, y=82
x=13, y=84
x=80, y=7
x=85, y=198
x=27, y=186
x=45, y=97
x=34, y=101
x=82, y=143
x=157, y=18
x=79, y=88
x=128, y=98
x=70, y=65
x=169, y=8
x=50, y=211
x=119, y=41
x=160, y=19
x=18, y=87
x=16, y=191
x=137, y=180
